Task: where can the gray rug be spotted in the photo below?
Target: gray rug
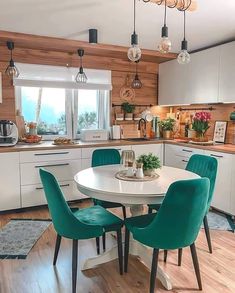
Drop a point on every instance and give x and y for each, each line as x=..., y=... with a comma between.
x=19, y=236
x=219, y=221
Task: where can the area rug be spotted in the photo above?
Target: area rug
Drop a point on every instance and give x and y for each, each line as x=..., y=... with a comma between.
x=219, y=221
x=19, y=236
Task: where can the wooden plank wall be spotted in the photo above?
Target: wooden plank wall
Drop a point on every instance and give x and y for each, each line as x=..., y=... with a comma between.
x=120, y=68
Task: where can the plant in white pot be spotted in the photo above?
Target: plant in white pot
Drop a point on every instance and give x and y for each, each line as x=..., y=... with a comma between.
x=128, y=109
x=150, y=163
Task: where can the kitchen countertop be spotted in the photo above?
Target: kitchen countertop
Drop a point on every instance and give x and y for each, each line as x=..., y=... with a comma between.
x=47, y=145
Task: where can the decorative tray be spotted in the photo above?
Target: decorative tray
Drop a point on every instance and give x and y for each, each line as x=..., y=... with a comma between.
x=210, y=142
x=121, y=175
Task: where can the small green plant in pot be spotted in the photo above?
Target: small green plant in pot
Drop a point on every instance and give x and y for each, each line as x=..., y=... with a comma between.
x=167, y=126
x=150, y=163
x=128, y=109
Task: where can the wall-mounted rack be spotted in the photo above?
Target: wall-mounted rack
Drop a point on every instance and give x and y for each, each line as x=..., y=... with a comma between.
x=196, y=109
x=137, y=105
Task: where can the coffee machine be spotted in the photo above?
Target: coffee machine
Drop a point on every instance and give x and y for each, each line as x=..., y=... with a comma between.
x=8, y=133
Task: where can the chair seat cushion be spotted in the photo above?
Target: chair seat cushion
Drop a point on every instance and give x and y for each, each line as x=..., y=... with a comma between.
x=106, y=204
x=98, y=215
x=139, y=221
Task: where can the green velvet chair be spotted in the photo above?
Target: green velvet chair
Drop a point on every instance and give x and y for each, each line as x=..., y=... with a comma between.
x=101, y=157
x=204, y=166
x=77, y=224
x=175, y=225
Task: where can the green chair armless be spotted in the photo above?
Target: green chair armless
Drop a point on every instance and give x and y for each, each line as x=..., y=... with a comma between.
x=204, y=166
x=77, y=224
x=176, y=225
x=102, y=157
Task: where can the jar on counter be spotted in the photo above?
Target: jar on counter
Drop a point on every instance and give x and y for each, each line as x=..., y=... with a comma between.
x=32, y=126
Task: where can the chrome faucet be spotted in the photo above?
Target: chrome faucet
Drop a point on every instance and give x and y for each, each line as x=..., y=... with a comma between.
x=139, y=125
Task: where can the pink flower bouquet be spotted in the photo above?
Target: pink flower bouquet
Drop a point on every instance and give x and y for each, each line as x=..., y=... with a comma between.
x=201, y=123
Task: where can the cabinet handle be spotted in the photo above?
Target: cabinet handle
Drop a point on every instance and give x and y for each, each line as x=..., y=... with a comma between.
x=216, y=156
x=187, y=151
x=48, y=154
x=62, y=185
x=52, y=165
x=185, y=161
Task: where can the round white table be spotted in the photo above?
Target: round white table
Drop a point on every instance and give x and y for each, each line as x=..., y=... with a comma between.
x=101, y=183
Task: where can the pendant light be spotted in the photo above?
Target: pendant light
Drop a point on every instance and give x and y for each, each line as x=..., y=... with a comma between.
x=134, y=52
x=93, y=36
x=81, y=76
x=136, y=83
x=184, y=57
x=165, y=44
x=11, y=69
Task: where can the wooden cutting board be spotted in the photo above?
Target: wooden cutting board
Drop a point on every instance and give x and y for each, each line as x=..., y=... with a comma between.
x=20, y=123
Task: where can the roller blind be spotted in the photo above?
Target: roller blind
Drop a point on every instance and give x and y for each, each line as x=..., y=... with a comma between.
x=33, y=75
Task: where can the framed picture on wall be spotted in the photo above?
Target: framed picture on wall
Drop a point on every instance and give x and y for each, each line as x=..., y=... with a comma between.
x=220, y=131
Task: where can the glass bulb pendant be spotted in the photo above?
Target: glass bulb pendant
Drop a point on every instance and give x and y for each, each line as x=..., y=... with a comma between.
x=136, y=83
x=81, y=76
x=134, y=53
x=12, y=69
x=183, y=57
x=165, y=45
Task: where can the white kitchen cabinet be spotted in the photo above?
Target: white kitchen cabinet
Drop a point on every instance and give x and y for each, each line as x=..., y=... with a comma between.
x=222, y=193
x=156, y=149
x=227, y=73
x=87, y=153
x=232, y=193
x=203, y=77
x=178, y=156
x=9, y=181
x=172, y=83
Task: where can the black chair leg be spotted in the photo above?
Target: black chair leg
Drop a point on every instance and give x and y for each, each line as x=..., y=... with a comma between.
x=196, y=265
x=124, y=212
x=120, y=252
x=97, y=239
x=207, y=231
x=165, y=255
x=57, y=248
x=180, y=252
x=74, y=265
x=150, y=211
x=104, y=241
x=154, y=270
x=126, y=253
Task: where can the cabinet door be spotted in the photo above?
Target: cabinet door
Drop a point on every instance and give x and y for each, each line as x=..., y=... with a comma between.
x=232, y=193
x=222, y=194
x=172, y=83
x=156, y=149
x=227, y=73
x=203, y=77
x=9, y=181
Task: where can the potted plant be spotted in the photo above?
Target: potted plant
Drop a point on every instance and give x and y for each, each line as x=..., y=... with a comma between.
x=201, y=124
x=128, y=109
x=167, y=126
x=150, y=163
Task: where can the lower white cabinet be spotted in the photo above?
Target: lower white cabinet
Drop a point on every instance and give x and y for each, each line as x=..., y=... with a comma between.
x=233, y=187
x=9, y=181
x=156, y=149
x=222, y=193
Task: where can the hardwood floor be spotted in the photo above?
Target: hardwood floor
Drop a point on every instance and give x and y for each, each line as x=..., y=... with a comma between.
x=36, y=274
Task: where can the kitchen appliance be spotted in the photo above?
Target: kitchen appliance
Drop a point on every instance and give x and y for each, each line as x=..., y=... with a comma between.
x=94, y=134
x=8, y=133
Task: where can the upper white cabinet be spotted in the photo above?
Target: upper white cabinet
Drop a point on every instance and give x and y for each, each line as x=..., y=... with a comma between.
x=227, y=73
x=194, y=83
x=172, y=83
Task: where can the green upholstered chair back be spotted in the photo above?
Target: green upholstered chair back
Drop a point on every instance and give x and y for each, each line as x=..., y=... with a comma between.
x=204, y=166
x=64, y=221
x=105, y=157
x=177, y=223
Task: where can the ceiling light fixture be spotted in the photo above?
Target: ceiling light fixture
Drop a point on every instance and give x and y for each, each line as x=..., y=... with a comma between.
x=136, y=83
x=11, y=69
x=81, y=76
x=93, y=36
x=134, y=52
x=184, y=57
x=165, y=44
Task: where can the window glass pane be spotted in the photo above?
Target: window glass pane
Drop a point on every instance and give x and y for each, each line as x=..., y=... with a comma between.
x=87, y=110
x=46, y=107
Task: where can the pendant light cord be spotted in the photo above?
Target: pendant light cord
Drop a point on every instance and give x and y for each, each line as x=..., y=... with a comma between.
x=165, y=14
x=134, y=14
x=184, y=24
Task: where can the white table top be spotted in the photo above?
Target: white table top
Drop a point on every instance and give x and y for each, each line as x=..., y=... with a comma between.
x=100, y=183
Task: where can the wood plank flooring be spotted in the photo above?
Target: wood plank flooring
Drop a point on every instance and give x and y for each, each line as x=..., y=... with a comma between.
x=36, y=274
